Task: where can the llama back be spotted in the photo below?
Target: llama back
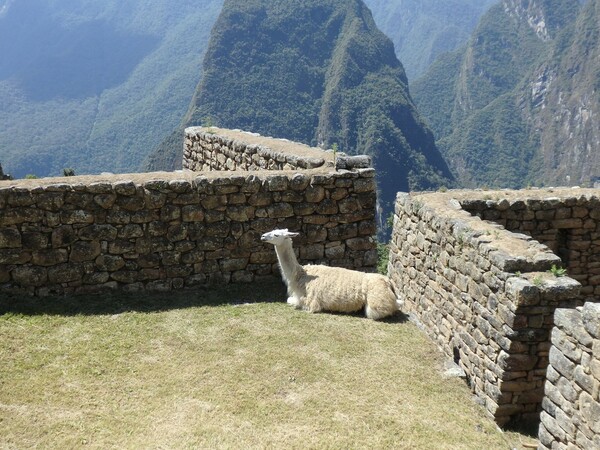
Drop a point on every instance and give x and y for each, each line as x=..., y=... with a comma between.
x=335, y=289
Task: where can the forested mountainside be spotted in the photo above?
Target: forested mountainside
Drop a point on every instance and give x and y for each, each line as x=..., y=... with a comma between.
x=319, y=72
x=565, y=103
x=518, y=104
x=423, y=29
x=95, y=85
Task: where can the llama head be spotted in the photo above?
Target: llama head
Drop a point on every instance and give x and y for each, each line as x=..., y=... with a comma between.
x=276, y=237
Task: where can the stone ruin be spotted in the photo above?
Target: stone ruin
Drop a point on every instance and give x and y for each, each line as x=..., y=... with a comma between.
x=481, y=273
x=163, y=231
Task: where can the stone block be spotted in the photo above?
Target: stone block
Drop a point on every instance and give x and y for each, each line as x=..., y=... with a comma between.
x=584, y=380
x=523, y=292
x=591, y=319
x=241, y=213
x=157, y=228
x=17, y=216
x=566, y=389
x=125, y=276
x=314, y=194
x=233, y=264
x=96, y=278
x=30, y=276
x=571, y=321
x=129, y=231
x=34, y=240
x=590, y=411
x=327, y=207
x=312, y=252
x=561, y=363
x=98, y=232
x=564, y=343
x=360, y=244
x=133, y=203
x=49, y=257
x=65, y=273
x=85, y=251
x=121, y=246
x=335, y=252
x=280, y=210
x=76, y=217
x=125, y=188
x=10, y=238
x=552, y=426
x=299, y=182
x=105, y=201
x=277, y=183
x=170, y=212
x=109, y=263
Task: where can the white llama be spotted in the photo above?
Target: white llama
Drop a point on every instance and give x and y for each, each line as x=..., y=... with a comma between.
x=317, y=288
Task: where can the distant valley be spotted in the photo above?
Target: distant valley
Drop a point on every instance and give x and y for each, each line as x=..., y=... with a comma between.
x=96, y=86
x=498, y=93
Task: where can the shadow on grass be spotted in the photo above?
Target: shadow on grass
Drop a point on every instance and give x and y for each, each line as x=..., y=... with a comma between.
x=119, y=302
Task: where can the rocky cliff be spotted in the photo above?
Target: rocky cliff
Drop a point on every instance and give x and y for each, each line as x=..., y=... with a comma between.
x=526, y=69
x=564, y=103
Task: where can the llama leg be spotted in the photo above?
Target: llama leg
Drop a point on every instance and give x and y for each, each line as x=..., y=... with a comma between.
x=294, y=301
x=312, y=305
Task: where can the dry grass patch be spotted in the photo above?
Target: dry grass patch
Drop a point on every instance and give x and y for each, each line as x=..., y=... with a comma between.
x=191, y=371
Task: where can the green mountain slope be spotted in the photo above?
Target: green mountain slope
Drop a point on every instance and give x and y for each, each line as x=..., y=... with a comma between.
x=318, y=72
x=95, y=85
x=423, y=29
x=478, y=99
x=564, y=103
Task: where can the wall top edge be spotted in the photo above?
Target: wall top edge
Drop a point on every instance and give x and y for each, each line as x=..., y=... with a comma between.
x=159, y=180
x=276, y=144
x=550, y=194
x=511, y=252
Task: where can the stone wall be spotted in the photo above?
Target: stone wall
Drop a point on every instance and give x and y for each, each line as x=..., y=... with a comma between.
x=571, y=415
x=485, y=294
x=164, y=231
x=569, y=225
x=207, y=149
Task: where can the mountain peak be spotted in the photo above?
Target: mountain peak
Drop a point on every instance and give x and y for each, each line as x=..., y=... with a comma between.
x=318, y=72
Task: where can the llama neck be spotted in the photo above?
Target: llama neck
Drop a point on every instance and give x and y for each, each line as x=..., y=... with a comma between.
x=287, y=259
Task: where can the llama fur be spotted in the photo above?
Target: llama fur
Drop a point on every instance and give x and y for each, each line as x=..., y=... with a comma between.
x=316, y=288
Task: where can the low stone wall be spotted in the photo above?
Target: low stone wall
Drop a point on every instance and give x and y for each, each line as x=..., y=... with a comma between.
x=485, y=294
x=164, y=231
x=207, y=149
x=571, y=415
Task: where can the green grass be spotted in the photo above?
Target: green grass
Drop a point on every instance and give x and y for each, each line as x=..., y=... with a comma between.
x=194, y=370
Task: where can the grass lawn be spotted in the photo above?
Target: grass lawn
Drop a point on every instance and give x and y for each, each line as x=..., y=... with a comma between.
x=196, y=370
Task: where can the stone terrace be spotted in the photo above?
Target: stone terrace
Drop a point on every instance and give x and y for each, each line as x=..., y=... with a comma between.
x=484, y=293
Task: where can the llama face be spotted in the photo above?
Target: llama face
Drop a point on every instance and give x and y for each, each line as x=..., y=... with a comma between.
x=276, y=237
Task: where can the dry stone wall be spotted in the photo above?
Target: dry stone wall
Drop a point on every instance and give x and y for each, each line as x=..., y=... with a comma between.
x=485, y=294
x=209, y=149
x=569, y=225
x=163, y=231
x=571, y=408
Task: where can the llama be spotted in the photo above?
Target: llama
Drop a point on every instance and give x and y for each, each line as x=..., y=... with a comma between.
x=317, y=288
